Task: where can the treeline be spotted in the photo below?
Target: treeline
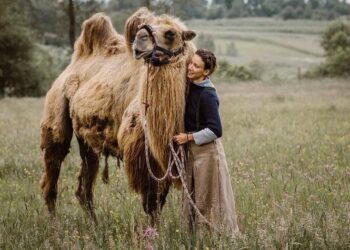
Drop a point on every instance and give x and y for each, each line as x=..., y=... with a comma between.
x=52, y=19
x=37, y=36
x=286, y=9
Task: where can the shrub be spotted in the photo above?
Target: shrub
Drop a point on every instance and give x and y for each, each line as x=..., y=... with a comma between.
x=228, y=72
x=337, y=35
x=257, y=69
x=336, y=43
x=337, y=64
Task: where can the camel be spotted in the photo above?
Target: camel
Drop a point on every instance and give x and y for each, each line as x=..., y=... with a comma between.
x=107, y=94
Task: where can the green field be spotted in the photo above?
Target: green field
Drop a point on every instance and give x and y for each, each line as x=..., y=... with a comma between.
x=287, y=144
x=283, y=47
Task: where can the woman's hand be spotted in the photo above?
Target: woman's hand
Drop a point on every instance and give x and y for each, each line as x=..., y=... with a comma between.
x=182, y=138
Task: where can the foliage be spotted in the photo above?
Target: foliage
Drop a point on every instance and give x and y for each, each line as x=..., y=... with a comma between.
x=336, y=64
x=257, y=68
x=336, y=43
x=215, y=12
x=50, y=61
x=337, y=35
x=291, y=9
x=18, y=76
x=50, y=18
x=228, y=72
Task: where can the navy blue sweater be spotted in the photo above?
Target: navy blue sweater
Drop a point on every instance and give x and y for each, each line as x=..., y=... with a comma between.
x=208, y=111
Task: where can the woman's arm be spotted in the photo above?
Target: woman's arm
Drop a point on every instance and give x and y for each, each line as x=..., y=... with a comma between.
x=204, y=136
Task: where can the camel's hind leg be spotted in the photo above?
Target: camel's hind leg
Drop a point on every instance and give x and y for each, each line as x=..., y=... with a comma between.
x=88, y=173
x=54, y=154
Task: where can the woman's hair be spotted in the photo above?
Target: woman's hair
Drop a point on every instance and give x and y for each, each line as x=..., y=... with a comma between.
x=208, y=58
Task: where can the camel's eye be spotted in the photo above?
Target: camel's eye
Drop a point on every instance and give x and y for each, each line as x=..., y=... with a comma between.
x=144, y=37
x=170, y=35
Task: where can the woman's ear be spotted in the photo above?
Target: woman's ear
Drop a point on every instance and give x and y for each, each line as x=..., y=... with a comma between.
x=206, y=72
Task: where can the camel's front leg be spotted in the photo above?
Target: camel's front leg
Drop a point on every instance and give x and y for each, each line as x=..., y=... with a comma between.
x=131, y=139
x=154, y=197
x=88, y=173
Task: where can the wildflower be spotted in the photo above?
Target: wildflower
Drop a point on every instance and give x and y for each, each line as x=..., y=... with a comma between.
x=150, y=233
x=328, y=168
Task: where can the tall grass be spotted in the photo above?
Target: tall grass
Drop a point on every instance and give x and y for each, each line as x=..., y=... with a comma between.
x=287, y=146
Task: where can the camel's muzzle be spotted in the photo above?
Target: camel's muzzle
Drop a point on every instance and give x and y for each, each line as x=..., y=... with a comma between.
x=139, y=54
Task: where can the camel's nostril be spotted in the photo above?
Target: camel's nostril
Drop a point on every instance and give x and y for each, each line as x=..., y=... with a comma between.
x=137, y=52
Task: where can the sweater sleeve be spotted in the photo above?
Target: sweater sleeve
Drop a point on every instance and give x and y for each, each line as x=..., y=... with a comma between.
x=210, y=112
x=204, y=136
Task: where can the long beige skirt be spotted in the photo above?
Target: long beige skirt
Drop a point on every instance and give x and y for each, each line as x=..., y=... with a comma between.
x=208, y=181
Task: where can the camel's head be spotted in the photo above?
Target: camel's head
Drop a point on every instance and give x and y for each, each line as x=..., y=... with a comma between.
x=161, y=42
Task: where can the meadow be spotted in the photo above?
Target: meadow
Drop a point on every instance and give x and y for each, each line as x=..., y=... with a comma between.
x=284, y=48
x=287, y=143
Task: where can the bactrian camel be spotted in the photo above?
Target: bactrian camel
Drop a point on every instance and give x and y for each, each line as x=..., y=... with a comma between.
x=101, y=97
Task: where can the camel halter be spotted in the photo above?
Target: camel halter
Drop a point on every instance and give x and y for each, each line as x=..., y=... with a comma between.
x=152, y=58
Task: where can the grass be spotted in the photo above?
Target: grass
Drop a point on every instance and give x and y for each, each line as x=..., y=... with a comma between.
x=287, y=147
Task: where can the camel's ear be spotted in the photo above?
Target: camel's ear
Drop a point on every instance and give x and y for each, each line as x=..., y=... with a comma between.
x=188, y=35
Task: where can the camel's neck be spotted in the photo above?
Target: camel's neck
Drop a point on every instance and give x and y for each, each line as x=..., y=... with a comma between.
x=166, y=99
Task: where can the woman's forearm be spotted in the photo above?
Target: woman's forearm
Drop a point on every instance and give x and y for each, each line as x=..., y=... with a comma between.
x=204, y=136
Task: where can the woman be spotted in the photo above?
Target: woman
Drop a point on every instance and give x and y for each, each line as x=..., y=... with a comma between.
x=207, y=174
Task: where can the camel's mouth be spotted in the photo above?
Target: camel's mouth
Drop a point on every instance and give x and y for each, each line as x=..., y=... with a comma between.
x=141, y=54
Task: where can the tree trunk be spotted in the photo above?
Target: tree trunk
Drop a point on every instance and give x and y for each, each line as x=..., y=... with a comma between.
x=148, y=4
x=71, y=15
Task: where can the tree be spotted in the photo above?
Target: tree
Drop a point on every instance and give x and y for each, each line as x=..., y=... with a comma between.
x=314, y=4
x=17, y=75
x=336, y=43
x=49, y=20
x=271, y=7
x=189, y=9
x=336, y=36
x=71, y=15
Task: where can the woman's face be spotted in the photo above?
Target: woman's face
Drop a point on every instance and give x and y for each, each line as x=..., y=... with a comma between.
x=195, y=70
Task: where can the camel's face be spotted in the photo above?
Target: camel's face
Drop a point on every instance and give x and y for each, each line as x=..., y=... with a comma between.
x=161, y=42
x=143, y=44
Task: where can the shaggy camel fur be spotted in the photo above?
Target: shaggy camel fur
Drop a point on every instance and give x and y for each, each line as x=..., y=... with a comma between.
x=97, y=41
x=105, y=96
